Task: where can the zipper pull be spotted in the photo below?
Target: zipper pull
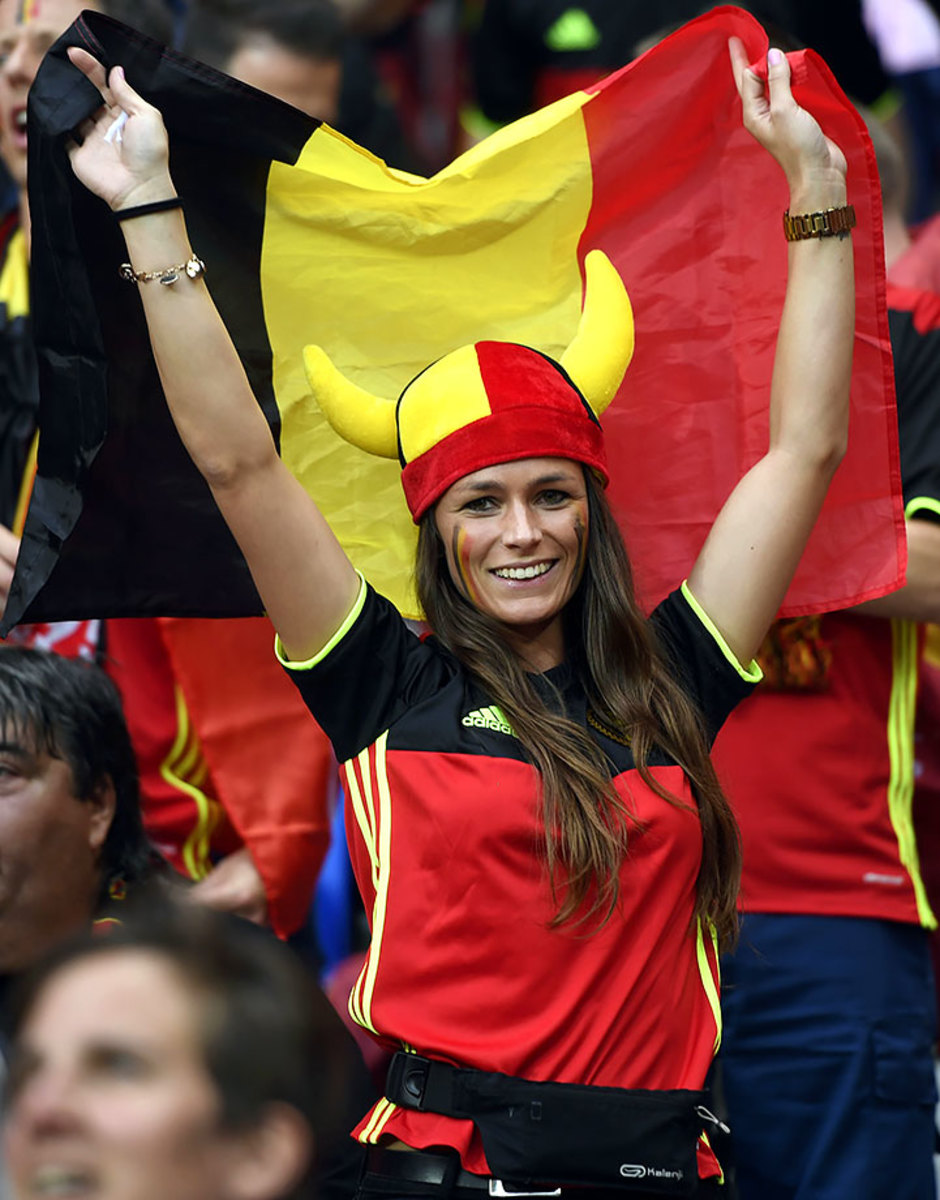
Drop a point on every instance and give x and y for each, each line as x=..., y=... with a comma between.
x=710, y=1117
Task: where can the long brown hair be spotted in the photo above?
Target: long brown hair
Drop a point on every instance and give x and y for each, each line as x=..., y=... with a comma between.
x=630, y=689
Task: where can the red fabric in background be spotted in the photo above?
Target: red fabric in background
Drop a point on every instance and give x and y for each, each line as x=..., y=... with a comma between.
x=692, y=220
x=271, y=764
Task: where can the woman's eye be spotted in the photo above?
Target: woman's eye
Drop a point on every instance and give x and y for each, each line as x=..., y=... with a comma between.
x=122, y=1064
x=553, y=496
x=480, y=504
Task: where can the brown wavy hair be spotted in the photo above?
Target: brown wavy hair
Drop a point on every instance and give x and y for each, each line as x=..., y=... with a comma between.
x=630, y=690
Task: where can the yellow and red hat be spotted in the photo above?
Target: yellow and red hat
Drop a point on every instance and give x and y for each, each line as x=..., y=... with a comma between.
x=492, y=402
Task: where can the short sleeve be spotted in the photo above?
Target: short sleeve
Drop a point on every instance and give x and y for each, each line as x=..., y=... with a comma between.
x=915, y=340
x=368, y=674
x=701, y=659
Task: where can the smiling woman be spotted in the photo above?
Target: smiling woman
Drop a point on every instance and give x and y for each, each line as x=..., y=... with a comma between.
x=515, y=538
x=538, y=834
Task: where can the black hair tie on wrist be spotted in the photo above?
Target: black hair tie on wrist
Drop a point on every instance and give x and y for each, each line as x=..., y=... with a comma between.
x=143, y=210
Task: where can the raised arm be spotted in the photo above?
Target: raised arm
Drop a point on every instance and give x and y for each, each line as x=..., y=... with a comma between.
x=305, y=580
x=752, y=551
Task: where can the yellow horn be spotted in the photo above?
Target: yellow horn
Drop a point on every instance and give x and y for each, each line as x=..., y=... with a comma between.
x=358, y=417
x=603, y=346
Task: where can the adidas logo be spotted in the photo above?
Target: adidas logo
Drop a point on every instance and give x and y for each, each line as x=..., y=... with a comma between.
x=488, y=718
x=574, y=30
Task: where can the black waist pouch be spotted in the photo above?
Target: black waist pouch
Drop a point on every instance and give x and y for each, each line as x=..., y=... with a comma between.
x=563, y=1133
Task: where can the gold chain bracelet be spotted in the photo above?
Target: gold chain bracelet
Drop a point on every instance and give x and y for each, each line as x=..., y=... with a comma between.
x=192, y=269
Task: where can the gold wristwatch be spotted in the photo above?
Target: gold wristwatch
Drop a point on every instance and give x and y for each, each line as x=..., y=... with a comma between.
x=829, y=223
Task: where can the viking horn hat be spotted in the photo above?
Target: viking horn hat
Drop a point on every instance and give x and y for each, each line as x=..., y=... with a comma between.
x=491, y=402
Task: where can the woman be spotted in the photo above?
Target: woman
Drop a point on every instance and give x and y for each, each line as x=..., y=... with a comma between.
x=185, y=1056
x=540, y=839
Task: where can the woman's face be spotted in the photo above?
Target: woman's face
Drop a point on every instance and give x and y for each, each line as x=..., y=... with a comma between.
x=515, y=536
x=109, y=1096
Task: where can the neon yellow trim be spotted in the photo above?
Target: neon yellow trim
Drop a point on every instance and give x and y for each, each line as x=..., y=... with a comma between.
x=195, y=850
x=920, y=504
x=381, y=892
x=753, y=673
x=14, y=277
x=377, y=1114
x=355, y=799
x=350, y=620
x=380, y=1127
x=26, y=487
x=189, y=763
x=703, y=1137
x=364, y=808
x=708, y=979
x=901, y=755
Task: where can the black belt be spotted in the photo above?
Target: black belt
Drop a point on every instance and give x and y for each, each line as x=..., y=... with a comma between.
x=438, y=1170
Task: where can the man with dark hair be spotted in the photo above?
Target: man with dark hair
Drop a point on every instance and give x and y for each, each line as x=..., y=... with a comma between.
x=292, y=50
x=298, y=51
x=233, y=791
x=71, y=838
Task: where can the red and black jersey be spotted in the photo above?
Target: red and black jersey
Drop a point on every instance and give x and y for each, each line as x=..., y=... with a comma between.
x=821, y=772
x=447, y=846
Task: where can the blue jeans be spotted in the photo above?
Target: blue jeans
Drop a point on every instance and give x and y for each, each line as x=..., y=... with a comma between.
x=827, y=1061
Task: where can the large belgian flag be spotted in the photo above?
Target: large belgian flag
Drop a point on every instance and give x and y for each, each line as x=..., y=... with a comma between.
x=309, y=238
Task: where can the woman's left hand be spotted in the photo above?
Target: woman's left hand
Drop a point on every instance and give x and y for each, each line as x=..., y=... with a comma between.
x=781, y=126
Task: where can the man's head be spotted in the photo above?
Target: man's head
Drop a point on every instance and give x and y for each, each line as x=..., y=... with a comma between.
x=27, y=30
x=291, y=49
x=70, y=824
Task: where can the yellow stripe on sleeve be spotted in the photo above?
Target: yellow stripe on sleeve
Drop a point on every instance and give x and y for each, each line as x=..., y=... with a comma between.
x=921, y=504
x=183, y=756
x=752, y=673
x=351, y=617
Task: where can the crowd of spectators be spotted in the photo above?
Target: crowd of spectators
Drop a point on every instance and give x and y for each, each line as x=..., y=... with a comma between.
x=84, y=846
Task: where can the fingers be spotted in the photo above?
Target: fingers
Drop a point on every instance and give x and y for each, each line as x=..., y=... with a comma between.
x=124, y=95
x=778, y=77
x=749, y=86
x=92, y=70
x=114, y=88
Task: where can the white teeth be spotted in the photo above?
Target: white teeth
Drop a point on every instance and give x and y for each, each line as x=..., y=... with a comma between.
x=59, y=1181
x=523, y=572
x=20, y=119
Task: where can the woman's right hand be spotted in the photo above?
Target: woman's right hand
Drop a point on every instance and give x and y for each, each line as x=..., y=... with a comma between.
x=810, y=160
x=127, y=164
